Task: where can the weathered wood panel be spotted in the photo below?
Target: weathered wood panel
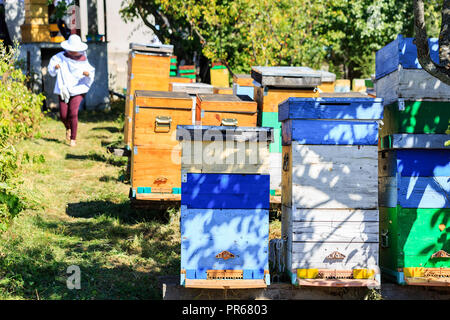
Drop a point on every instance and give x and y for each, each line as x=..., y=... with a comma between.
x=294, y=77
x=306, y=255
x=334, y=177
x=268, y=99
x=411, y=84
x=226, y=157
x=334, y=215
x=225, y=191
x=338, y=231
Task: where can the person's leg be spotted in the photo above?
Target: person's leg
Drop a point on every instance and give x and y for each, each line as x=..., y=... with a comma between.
x=74, y=105
x=63, y=112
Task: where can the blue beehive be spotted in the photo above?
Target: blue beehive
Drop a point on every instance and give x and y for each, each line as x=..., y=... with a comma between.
x=402, y=51
x=225, y=196
x=329, y=195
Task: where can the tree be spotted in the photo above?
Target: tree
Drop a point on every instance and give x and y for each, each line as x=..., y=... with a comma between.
x=441, y=70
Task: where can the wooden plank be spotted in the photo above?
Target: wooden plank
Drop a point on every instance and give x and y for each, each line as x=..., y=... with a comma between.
x=331, y=108
x=334, y=215
x=226, y=191
x=414, y=141
x=243, y=80
x=206, y=233
x=415, y=192
x=225, y=284
x=226, y=157
x=150, y=47
x=191, y=88
x=334, y=177
x=222, y=90
x=308, y=255
x=286, y=177
x=348, y=232
x=338, y=283
x=411, y=84
x=428, y=281
x=158, y=196
x=333, y=132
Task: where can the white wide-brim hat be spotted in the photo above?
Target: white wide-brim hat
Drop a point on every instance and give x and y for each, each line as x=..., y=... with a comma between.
x=74, y=43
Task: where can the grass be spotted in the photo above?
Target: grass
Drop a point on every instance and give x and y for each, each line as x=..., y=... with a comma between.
x=80, y=214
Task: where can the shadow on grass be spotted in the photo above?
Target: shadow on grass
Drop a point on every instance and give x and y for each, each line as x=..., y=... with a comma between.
x=122, y=211
x=115, y=161
x=62, y=141
x=110, y=129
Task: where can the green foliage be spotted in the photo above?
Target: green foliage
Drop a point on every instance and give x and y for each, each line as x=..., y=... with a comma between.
x=20, y=113
x=340, y=33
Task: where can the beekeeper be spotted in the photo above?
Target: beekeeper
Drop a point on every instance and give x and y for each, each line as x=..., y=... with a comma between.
x=74, y=76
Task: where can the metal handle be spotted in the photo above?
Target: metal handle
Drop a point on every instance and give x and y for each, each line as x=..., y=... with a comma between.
x=163, y=123
x=230, y=122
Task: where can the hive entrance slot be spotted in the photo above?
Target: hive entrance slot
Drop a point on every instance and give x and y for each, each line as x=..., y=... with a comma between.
x=224, y=274
x=335, y=274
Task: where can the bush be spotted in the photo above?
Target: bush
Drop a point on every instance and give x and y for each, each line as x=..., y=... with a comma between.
x=20, y=114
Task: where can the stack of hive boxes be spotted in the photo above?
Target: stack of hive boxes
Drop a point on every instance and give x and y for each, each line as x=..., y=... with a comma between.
x=173, y=66
x=36, y=27
x=243, y=85
x=224, y=207
x=155, y=166
x=414, y=167
x=225, y=110
x=148, y=69
x=273, y=85
x=187, y=71
x=329, y=193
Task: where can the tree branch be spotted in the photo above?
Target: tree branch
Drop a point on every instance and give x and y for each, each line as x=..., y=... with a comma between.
x=440, y=71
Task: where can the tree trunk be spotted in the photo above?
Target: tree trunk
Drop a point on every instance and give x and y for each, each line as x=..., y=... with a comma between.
x=442, y=70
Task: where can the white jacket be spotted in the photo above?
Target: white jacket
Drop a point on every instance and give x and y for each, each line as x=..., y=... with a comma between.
x=72, y=74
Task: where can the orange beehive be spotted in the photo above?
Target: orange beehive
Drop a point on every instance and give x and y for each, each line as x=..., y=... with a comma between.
x=225, y=109
x=155, y=171
x=148, y=69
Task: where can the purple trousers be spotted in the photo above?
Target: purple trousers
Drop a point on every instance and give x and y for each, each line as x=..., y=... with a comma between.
x=69, y=114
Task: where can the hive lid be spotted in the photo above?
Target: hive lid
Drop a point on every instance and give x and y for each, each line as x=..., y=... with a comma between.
x=212, y=133
x=154, y=48
x=192, y=88
x=162, y=94
x=327, y=76
x=331, y=108
x=288, y=77
x=224, y=98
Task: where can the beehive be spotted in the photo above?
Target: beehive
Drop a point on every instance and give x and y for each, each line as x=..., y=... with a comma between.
x=219, y=76
x=224, y=207
x=155, y=167
x=173, y=66
x=35, y=27
x=328, y=81
x=399, y=74
x=329, y=190
x=222, y=90
x=225, y=110
x=243, y=85
x=279, y=84
x=188, y=71
x=192, y=89
x=148, y=69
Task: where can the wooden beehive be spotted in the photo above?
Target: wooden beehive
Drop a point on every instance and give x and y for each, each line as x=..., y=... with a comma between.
x=224, y=207
x=222, y=90
x=225, y=110
x=219, y=75
x=35, y=27
x=329, y=190
x=399, y=74
x=243, y=85
x=148, y=69
x=414, y=188
x=328, y=81
x=155, y=167
x=273, y=85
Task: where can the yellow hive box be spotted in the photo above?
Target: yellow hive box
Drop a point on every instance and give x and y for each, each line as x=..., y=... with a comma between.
x=307, y=273
x=220, y=77
x=363, y=274
x=35, y=33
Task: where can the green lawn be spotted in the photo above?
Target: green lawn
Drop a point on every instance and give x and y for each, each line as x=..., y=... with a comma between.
x=80, y=215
